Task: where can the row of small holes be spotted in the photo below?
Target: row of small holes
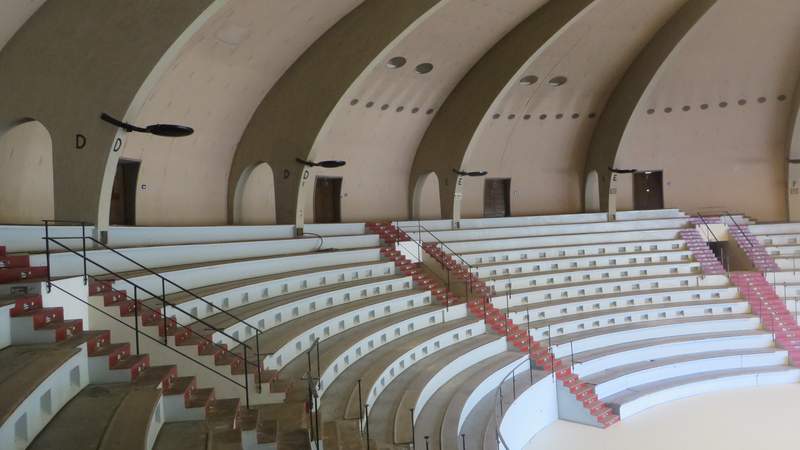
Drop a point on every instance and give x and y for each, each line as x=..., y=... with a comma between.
x=558, y=116
x=386, y=106
x=722, y=104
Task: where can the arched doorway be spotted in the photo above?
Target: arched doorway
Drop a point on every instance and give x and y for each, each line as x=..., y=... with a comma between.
x=426, y=202
x=254, y=202
x=26, y=174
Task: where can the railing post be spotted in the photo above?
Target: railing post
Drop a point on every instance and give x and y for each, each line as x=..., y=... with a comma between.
x=426, y=442
x=413, y=429
x=47, y=253
x=463, y=441
x=246, y=379
x=258, y=359
x=310, y=397
x=83, y=236
x=164, y=305
x=360, y=411
x=571, y=356
x=513, y=385
x=136, y=316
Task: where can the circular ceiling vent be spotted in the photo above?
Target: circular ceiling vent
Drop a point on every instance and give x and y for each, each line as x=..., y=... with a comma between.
x=557, y=81
x=528, y=80
x=396, y=62
x=424, y=68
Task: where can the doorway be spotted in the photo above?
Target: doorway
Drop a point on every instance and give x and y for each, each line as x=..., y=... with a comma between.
x=327, y=200
x=497, y=197
x=123, y=194
x=648, y=190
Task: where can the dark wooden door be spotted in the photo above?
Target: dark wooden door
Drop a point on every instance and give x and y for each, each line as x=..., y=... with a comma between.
x=648, y=190
x=497, y=197
x=123, y=193
x=327, y=200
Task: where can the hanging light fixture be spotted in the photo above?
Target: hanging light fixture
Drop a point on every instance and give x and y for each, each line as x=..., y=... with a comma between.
x=330, y=164
x=477, y=173
x=159, y=129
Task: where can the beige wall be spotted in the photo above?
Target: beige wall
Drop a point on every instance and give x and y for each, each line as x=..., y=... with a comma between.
x=13, y=14
x=258, y=197
x=214, y=85
x=722, y=158
x=26, y=150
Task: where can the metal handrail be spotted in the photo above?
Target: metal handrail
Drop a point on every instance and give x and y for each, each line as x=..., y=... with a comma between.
x=498, y=397
x=138, y=332
x=739, y=228
x=421, y=228
x=147, y=269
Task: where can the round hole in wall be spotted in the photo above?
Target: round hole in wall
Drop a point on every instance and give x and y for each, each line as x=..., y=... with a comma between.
x=742, y=102
x=528, y=80
x=651, y=111
x=557, y=81
x=782, y=97
x=559, y=116
x=543, y=116
x=575, y=116
x=429, y=112
x=424, y=68
x=592, y=115
x=704, y=106
x=686, y=108
x=762, y=99
x=354, y=101
x=495, y=116
x=384, y=107
x=723, y=104
x=667, y=110
x=400, y=109
x=512, y=116
x=370, y=104
x=396, y=62
x=527, y=117
x=414, y=110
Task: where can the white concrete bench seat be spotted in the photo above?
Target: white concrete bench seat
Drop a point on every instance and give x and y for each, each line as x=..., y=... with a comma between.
x=341, y=399
x=498, y=269
x=446, y=403
x=165, y=256
x=340, y=351
x=621, y=287
x=562, y=240
x=28, y=238
x=488, y=257
x=284, y=342
x=243, y=292
x=541, y=330
x=390, y=420
x=617, y=379
x=519, y=281
x=550, y=219
x=638, y=398
x=481, y=234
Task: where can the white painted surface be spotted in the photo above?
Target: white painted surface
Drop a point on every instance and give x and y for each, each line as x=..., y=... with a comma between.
x=533, y=410
x=715, y=421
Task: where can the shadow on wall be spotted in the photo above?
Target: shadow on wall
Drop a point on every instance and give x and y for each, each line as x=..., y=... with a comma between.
x=26, y=174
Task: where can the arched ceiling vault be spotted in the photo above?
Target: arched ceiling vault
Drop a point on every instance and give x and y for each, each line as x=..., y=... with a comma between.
x=627, y=94
x=66, y=65
x=215, y=85
x=288, y=120
x=793, y=188
x=537, y=134
x=445, y=142
x=13, y=14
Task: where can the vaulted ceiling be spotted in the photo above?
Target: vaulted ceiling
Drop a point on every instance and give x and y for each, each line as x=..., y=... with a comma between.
x=542, y=92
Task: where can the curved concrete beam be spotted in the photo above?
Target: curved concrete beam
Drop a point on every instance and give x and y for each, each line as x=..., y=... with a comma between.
x=66, y=65
x=614, y=119
x=289, y=119
x=793, y=194
x=445, y=144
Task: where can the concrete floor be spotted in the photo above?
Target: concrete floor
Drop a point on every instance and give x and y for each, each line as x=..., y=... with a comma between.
x=741, y=419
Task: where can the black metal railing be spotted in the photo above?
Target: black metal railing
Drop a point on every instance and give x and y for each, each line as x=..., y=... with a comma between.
x=243, y=358
x=724, y=258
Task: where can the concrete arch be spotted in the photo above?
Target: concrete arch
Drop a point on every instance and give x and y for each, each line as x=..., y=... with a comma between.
x=793, y=169
x=26, y=173
x=592, y=192
x=49, y=51
x=614, y=120
x=290, y=117
x=445, y=144
x=254, y=200
x=426, y=202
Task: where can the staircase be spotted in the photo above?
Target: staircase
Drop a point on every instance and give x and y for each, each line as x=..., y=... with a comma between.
x=753, y=249
x=18, y=268
x=701, y=252
x=481, y=307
